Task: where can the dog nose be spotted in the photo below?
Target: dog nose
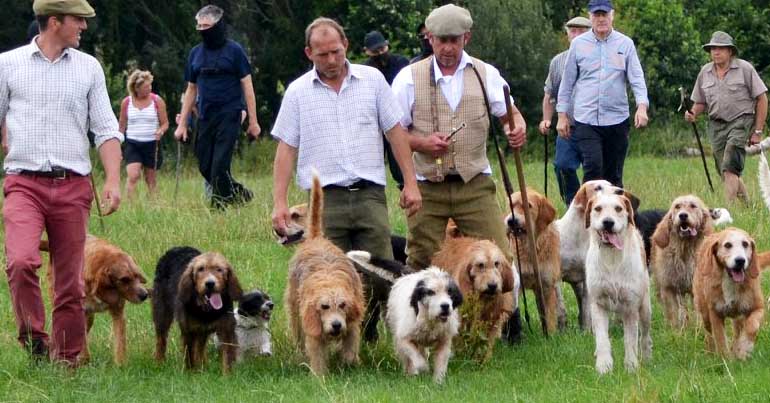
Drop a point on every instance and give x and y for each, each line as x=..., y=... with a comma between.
x=608, y=224
x=210, y=284
x=143, y=295
x=511, y=222
x=270, y=305
x=445, y=307
x=491, y=287
x=336, y=326
x=740, y=262
x=682, y=216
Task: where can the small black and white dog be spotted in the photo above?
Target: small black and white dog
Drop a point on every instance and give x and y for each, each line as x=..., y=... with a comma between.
x=252, y=318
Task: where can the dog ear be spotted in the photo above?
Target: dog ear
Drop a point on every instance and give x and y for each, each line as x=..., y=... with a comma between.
x=546, y=213
x=662, y=235
x=587, y=213
x=186, y=287
x=311, y=320
x=630, y=210
x=707, y=224
x=754, y=264
x=417, y=294
x=707, y=257
x=506, y=272
x=581, y=197
x=454, y=293
x=234, y=289
x=98, y=274
x=137, y=271
x=635, y=202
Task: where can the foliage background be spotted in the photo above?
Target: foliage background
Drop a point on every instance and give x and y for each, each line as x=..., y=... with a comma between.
x=518, y=36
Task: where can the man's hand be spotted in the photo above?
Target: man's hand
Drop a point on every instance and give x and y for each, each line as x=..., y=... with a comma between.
x=544, y=127
x=688, y=116
x=640, y=119
x=410, y=200
x=516, y=137
x=562, y=126
x=254, y=130
x=754, y=139
x=436, y=144
x=110, y=197
x=281, y=218
x=181, y=133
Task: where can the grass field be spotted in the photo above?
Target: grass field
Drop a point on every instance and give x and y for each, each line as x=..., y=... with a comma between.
x=559, y=369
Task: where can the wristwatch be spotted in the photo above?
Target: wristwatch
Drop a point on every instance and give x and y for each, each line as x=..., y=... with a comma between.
x=758, y=132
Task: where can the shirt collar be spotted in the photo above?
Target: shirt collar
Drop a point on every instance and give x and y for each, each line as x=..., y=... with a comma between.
x=465, y=60
x=607, y=39
x=33, y=49
x=733, y=65
x=351, y=73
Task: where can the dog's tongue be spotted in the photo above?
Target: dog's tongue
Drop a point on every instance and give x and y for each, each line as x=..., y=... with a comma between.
x=738, y=276
x=613, y=239
x=691, y=231
x=215, y=300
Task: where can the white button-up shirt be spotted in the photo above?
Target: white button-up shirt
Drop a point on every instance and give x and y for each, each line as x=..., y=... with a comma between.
x=452, y=89
x=338, y=134
x=50, y=105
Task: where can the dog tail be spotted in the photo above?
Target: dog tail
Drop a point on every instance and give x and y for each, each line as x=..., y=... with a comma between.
x=316, y=208
x=388, y=270
x=763, y=259
x=764, y=179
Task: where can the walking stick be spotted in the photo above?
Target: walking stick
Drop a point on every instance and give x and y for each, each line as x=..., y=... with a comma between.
x=524, y=199
x=178, y=166
x=157, y=149
x=545, y=165
x=98, y=203
x=685, y=104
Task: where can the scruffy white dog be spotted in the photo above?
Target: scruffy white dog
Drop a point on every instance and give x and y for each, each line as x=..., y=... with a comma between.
x=422, y=313
x=617, y=279
x=252, y=319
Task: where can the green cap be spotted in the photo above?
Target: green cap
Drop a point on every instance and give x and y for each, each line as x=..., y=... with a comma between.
x=449, y=20
x=78, y=8
x=578, y=22
x=721, y=39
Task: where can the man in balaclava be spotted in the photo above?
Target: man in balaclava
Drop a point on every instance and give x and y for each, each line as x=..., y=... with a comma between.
x=218, y=75
x=426, y=49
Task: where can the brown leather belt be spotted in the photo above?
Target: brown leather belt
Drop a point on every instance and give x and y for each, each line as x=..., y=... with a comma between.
x=56, y=173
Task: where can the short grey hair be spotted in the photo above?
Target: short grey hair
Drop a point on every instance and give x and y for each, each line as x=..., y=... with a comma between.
x=210, y=12
x=323, y=21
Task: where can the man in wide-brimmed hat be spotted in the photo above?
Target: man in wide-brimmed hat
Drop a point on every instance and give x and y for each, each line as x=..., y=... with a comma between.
x=735, y=98
x=51, y=95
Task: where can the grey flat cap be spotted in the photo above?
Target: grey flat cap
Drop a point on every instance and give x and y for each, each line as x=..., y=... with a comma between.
x=578, y=22
x=449, y=20
x=722, y=39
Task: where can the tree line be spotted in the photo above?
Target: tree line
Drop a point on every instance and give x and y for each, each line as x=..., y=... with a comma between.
x=517, y=36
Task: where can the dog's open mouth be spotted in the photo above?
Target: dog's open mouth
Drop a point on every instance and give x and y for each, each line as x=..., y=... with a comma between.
x=611, y=238
x=290, y=239
x=214, y=300
x=738, y=275
x=443, y=316
x=685, y=230
x=265, y=314
x=516, y=230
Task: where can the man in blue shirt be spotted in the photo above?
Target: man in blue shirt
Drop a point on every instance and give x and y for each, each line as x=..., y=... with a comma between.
x=599, y=64
x=219, y=75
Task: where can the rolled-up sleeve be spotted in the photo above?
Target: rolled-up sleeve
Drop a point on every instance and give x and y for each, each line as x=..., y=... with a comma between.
x=403, y=91
x=495, y=84
x=286, y=127
x=102, y=121
x=697, y=95
x=568, y=79
x=636, y=77
x=389, y=112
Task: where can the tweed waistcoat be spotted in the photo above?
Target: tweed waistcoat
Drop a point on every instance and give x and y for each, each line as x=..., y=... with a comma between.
x=467, y=153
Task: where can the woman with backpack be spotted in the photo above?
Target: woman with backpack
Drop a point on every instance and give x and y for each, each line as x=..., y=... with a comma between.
x=143, y=121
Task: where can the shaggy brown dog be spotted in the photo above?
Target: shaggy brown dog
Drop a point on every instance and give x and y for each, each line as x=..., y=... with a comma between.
x=481, y=270
x=198, y=290
x=324, y=298
x=674, y=246
x=547, y=246
x=726, y=285
x=111, y=277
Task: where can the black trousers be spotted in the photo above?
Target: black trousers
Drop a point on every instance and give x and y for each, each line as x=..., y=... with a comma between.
x=217, y=136
x=395, y=170
x=604, y=151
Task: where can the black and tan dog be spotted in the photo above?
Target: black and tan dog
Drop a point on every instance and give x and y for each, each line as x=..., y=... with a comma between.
x=198, y=290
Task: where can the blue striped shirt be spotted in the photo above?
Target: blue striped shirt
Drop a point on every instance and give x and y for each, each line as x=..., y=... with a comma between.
x=595, y=77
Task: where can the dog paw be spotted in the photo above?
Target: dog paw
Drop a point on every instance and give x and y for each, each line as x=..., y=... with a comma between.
x=420, y=367
x=647, y=349
x=351, y=358
x=267, y=353
x=603, y=364
x=631, y=364
x=439, y=377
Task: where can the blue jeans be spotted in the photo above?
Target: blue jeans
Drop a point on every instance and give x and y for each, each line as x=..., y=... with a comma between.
x=565, y=165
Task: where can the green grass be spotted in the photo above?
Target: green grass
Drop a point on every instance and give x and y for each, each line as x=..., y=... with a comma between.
x=558, y=369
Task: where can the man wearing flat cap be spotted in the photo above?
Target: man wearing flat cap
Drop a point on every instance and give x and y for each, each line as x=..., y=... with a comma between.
x=567, y=159
x=51, y=95
x=735, y=98
x=389, y=64
x=600, y=64
x=440, y=94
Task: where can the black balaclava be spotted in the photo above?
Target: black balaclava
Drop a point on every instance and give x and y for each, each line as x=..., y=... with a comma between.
x=381, y=60
x=216, y=36
x=426, y=47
